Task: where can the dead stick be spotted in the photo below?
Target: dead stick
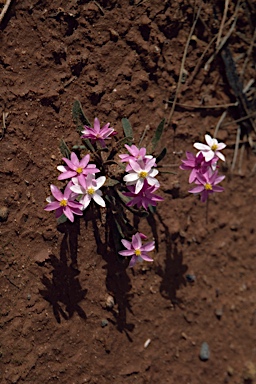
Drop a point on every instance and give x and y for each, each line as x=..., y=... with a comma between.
x=249, y=51
x=239, y=120
x=216, y=106
x=5, y=9
x=183, y=64
x=236, y=148
x=222, y=22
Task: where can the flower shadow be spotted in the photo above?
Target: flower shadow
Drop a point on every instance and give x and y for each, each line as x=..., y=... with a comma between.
x=63, y=290
x=118, y=283
x=174, y=270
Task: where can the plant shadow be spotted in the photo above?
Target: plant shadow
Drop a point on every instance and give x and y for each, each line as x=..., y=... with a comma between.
x=63, y=290
x=173, y=272
x=118, y=283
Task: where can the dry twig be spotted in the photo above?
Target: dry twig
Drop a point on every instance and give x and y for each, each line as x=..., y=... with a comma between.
x=225, y=38
x=5, y=9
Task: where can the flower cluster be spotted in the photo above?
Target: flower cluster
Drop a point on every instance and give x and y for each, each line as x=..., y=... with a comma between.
x=140, y=178
x=203, y=167
x=81, y=189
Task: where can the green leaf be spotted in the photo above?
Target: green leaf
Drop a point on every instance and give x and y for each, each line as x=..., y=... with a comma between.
x=88, y=145
x=152, y=209
x=62, y=219
x=111, y=182
x=79, y=117
x=64, y=149
x=127, y=129
x=158, y=134
x=79, y=147
x=161, y=155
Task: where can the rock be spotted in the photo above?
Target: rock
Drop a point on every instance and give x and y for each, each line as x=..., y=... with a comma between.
x=42, y=256
x=219, y=313
x=110, y=302
x=3, y=213
x=190, y=278
x=104, y=323
x=204, y=352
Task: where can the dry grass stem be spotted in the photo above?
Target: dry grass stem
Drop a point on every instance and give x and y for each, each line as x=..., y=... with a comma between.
x=182, y=67
x=248, y=53
x=225, y=38
x=222, y=22
x=224, y=114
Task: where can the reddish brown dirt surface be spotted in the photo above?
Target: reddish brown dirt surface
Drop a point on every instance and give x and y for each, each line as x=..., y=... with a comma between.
x=122, y=59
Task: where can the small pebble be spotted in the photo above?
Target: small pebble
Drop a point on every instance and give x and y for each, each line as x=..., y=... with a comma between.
x=219, y=313
x=204, y=352
x=3, y=213
x=110, y=302
x=28, y=296
x=147, y=342
x=104, y=323
x=191, y=278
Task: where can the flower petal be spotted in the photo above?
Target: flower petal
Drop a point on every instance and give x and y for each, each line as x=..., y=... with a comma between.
x=56, y=192
x=127, y=244
x=144, y=256
x=127, y=252
x=201, y=147
x=133, y=261
x=52, y=206
x=96, y=197
x=136, y=241
x=209, y=140
x=67, y=212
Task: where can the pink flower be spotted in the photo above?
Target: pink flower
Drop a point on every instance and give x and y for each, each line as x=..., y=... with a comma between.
x=63, y=203
x=141, y=171
x=98, y=134
x=136, y=154
x=75, y=167
x=135, y=249
x=144, y=198
x=195, y=164
x=207, y=184
x=89, y=189
x=212, y=149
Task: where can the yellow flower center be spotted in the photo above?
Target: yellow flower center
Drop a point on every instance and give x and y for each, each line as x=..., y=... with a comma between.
x=137, y=252
x=79, y=170
x=143, y=174
x=90, y=191
x=208, y=187
x=214, y=147
x=63, y=203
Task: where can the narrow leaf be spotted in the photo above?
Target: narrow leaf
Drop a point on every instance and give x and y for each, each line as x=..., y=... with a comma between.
x=158, y=134
x=127, y=129
x=64, y=149
x=161, y=155
x=79, y=117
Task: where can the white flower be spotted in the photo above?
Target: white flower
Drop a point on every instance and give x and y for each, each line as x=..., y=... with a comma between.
x=141, y=171
x=89, y=189
x=212, y=149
